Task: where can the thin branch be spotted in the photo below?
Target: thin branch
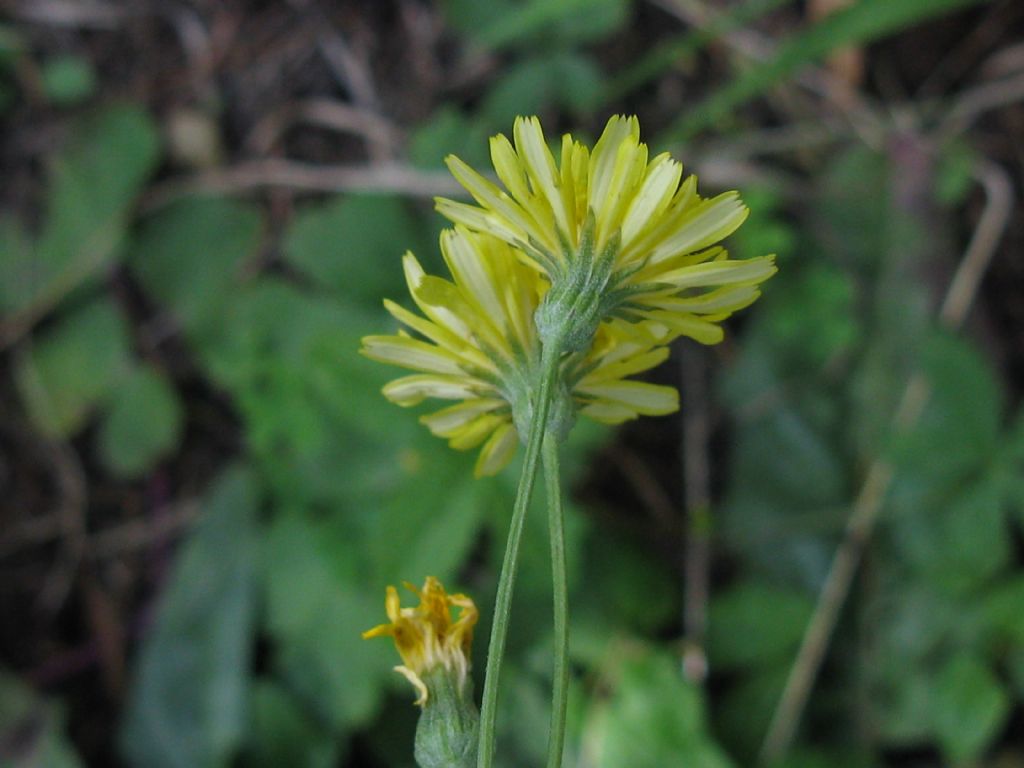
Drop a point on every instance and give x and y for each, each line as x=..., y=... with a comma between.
x=69, y=13
x=868, y=504
x=382, y=137
x=976, y=101
x=275, y=173
x=140, y=533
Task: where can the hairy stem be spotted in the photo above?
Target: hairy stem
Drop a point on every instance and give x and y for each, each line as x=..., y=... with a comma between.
x=560, y=688
x=506, y=582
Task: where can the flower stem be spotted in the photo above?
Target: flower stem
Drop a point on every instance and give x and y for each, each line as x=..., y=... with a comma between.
x=506, y=582
x=560, y=688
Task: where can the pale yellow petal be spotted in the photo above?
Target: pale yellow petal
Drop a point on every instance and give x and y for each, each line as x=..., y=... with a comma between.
x=479, y=220
x=509, y=167
x=608, y=413
x=656, y=192
x=489, y=195
x=411, y=390
x=471, y=269
x=632, y=365
x=473, y=433
x=411, y=353
x=445, y=422
x=646, y=399
x=497, y=451
x=540, y=168
x=618, y=130
x=723, y=300
x=721, y=272
x=688, y=325
x=704, y=225
x=417, y=683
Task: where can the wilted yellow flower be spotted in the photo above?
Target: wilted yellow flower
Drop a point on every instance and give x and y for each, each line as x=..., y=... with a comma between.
x=480, y=346
x=426, y=637
x=609, y=224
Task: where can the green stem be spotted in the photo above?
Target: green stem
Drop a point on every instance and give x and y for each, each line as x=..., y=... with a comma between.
x=506, y=582
x=560, y=688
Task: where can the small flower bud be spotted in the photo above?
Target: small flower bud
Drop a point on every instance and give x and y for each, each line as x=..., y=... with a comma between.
x=447, y=733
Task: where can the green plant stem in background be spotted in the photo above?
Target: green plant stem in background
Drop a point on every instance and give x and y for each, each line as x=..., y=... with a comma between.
x=560, y=688
x=506, y=582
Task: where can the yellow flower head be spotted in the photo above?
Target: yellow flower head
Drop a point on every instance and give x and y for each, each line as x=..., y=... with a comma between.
x=479, y=345
x=426, y=636
x=638, y=232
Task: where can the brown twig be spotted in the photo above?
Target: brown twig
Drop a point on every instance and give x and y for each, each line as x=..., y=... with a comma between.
x=272, y=172
x=72, y=484
x=382, y=137
x=69, y=13
x=868, y=504
x=140, y=533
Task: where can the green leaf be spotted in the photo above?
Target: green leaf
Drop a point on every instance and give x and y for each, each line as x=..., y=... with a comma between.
x=189, y=255
x=625, y=587
x=74, y=366
x=143, y=424
x=282, y=734
x=188, y=705
x=536, y=22
x=1003, y=609
x=969, y=708
x=744, y=711
x=353, y=245
x=858, y=23
x=963, y=416
x=653, y=719
x=94, y=182
x=68, y=80
x=428, y=524
x=318, y=604
x=958, y=543
x=755, y=624
x=31, y=730
x=812, y=317
x=537, y=83
x=908, y=626
x=449, y=131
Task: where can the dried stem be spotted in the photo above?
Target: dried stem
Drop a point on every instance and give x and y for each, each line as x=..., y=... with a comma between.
x=868, y=504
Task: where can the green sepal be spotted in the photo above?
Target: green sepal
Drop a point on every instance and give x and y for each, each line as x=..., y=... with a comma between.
x=448, y=730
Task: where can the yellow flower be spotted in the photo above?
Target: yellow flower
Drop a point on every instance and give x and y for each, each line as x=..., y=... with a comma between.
x=480, y=346
x=613, y=224
x=426, y=637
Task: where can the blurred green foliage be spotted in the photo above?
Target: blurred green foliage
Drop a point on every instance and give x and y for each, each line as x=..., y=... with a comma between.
x=253, y=653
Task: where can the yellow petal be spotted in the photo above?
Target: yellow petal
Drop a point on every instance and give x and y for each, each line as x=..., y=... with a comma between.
x=540, y=168
x=445, y=422
x=723, y=300
x=509, y=168
x=417, y=683
x=630, y=366
x=497, y=451
x=608, y=413
x=411, y=390
x=478, y=219
x=411, y=353
x=705, y=224
x=656, y=192
x=721, y=272
x=644, y=398
x=690, y=326
x=489, y=195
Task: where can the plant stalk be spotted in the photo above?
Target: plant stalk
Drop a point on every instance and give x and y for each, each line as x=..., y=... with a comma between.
x=506, y=582
x=560, y=687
